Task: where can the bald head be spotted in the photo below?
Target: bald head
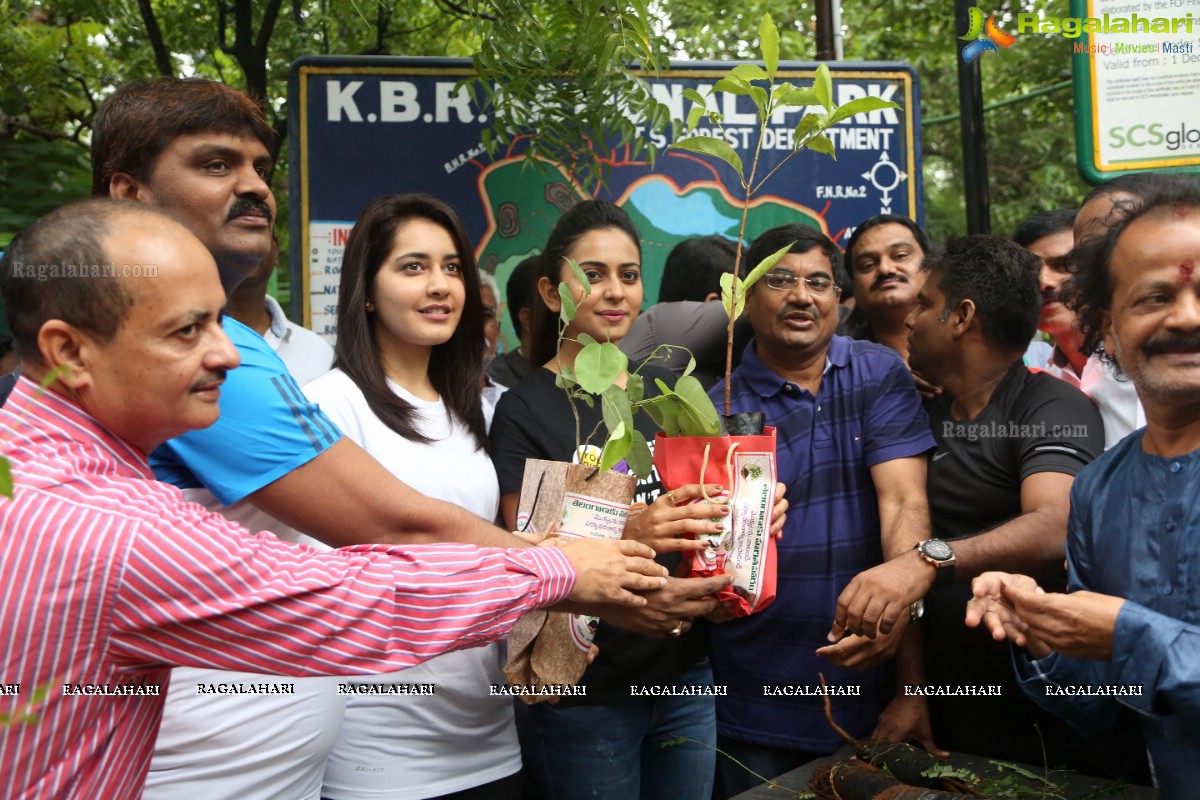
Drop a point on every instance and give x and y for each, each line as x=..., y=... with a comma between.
x=124, y=304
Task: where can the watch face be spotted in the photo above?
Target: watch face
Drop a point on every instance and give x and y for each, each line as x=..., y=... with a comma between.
x=937, y=549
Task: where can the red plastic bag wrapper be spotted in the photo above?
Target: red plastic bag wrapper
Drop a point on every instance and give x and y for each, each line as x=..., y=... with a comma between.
x=745, y=466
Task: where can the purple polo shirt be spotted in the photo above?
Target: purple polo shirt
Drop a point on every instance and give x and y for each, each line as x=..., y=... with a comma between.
x=867, y=411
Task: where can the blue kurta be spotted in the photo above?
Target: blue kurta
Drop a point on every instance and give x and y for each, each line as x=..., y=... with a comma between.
x=1134, y=519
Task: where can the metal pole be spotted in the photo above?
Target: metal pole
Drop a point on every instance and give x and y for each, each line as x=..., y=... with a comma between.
x=826, y=47
x=974, y=143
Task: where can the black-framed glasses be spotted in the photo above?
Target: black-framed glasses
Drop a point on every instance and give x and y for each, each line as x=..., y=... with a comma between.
x=784, y=281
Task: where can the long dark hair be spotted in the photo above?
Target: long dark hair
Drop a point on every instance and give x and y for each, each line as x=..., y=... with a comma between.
x=590, y=215
x=455, y=366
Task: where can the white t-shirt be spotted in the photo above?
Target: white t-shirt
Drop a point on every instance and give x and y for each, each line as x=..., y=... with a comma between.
x=244, y=746
x=1115, y=396
x=407, y=747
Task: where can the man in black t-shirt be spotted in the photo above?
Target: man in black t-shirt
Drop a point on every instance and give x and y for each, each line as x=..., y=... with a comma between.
x=1010, y=443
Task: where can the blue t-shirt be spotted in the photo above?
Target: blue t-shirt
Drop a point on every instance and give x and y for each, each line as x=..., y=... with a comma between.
x=867, y=411
x=1132, y=534
x=266, y=429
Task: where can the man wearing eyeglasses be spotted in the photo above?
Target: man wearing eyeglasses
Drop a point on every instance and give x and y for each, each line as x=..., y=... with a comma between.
x=852, y=440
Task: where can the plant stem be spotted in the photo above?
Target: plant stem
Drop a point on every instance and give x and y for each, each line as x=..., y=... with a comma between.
x=737, y=260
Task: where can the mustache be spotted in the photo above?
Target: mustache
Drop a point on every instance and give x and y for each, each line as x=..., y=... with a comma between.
x=209, y=378
x=789, y=308
x=1172, y=342
x=245, y=204
x=895, y=276
x=1052, y=294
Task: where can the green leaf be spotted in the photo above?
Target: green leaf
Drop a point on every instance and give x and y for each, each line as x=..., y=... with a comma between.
x=789, y=95
x=691, y=366
x=732, y=310
x=768, y=36
x=615, y=407
x=695, y=97
x=664, y=410
x=764, y=266
x=860, y=106
x=712, y=146
x=749, y=72
x=635, y=387
x=587, y=399
x=807, y=125
x=823, y=85
x=579, y=276
x=761, y=101
x=567, y=312
x=616, y=448
x=639, y=458
x=698, y=415
x=585, y=339
x=821, y=144
x=6, y=479
x=599, y=365
x=732, y=84
x=694, y=117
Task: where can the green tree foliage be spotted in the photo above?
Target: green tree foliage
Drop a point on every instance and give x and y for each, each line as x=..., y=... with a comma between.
x=62, y=56
x=1030, y=142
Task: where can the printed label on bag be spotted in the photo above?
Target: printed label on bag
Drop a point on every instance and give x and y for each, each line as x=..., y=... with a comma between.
x=592, y=517
x=583, y=630
x=751, y=519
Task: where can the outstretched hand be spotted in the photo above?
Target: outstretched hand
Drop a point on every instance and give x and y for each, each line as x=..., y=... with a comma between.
x=672, y=521
x=860, y=653
x=1014, y=607
x=670, y=611
x=779, y=511
x=609, y=571
x=877, y=598
x=990, y=607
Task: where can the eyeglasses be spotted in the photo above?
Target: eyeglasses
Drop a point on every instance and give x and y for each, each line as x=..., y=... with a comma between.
x=784, y=281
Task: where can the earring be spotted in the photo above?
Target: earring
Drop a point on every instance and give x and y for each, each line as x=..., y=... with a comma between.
x=370, y=306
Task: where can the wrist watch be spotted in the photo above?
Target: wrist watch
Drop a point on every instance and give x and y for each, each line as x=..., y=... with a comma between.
x=938, y=553
x=916, y=610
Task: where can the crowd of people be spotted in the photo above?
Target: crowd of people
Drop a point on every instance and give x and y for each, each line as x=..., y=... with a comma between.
x=241, y=563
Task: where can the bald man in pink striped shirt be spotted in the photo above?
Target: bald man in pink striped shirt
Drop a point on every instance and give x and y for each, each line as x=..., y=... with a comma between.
x=111, y=577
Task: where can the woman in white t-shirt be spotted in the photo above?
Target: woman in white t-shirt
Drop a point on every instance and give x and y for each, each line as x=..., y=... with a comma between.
x=405, y=387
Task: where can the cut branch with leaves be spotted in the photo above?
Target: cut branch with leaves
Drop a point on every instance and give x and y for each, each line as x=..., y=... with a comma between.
x=744, y=80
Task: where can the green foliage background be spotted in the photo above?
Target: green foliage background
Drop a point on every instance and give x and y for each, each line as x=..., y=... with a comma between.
x=59, y=58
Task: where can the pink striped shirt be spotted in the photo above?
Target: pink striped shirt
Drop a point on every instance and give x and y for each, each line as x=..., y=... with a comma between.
x=110, y=578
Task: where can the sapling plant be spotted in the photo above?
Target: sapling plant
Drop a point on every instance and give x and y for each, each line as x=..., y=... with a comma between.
x=769, y=98
x=685, y=409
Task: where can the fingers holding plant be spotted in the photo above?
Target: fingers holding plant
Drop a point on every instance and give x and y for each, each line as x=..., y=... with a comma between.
x=673, y=522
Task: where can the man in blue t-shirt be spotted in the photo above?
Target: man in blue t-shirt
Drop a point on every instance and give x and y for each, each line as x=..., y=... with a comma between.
x=201, y=151
x=852, y=439
x=1127, y=633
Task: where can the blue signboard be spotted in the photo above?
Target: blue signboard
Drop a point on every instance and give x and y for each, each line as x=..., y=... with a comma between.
x=369, y=126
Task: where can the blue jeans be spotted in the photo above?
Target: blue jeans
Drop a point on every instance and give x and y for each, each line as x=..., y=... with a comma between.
x=623, y=750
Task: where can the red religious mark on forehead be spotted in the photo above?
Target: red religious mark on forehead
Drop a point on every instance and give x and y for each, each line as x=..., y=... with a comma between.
x=1185, y=273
